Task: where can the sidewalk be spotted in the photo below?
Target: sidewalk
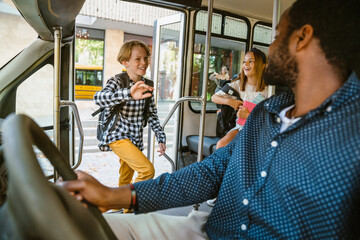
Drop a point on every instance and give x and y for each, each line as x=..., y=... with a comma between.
x=104, y=166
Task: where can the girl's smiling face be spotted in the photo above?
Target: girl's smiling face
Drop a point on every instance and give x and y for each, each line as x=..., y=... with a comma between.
x=249, y=64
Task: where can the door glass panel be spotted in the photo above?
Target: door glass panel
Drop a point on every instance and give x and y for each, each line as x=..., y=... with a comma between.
x=89, y=62
x=34, y=97
x=35, y=101
x=168, y=62
x=168, y=75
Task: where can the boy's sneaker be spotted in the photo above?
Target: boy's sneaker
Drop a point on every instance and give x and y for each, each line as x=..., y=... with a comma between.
x=211, y=202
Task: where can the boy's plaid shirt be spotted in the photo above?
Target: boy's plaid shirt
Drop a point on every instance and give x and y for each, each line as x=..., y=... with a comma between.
x=131, y=116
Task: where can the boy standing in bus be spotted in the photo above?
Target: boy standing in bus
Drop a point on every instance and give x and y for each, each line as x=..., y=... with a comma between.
x=126, y=138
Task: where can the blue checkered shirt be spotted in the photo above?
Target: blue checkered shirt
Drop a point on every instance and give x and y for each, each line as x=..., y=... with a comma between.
x=131, y=117
x=303, y=183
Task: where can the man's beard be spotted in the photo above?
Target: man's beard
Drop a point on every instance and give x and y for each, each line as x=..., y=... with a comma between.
x=282, y=69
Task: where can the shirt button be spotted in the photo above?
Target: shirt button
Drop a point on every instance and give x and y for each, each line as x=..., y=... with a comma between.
x=328, y=109
x=278, y=120
x=243, y=227
x=245, y=202
x=263, y=174
x=274, y=143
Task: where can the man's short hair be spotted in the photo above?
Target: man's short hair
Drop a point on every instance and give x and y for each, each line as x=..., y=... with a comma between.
x=336, y=24
x=127, y=47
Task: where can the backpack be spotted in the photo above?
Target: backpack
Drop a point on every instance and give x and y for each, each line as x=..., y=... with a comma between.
x=109, y=123
x=226, y=115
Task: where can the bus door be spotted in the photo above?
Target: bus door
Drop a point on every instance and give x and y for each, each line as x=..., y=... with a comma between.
x=167, y=65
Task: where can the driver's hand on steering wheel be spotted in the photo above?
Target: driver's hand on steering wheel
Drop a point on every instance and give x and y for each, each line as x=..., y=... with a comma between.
x=88, y=188
x=85, y=187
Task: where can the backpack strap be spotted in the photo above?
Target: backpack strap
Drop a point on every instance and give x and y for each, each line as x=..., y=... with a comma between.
x=96, y=112
x=231, y=91
x=124, y=81
x=147, y=102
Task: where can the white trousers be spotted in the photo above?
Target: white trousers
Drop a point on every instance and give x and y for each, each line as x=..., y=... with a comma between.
x=158, y=226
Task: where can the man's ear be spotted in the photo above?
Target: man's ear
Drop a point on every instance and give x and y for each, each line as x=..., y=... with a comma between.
x=305, y=34
x=124, y=63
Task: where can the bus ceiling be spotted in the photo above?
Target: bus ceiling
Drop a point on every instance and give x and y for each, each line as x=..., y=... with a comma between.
x=259, y=9
x=187, y=4
x=43, y=15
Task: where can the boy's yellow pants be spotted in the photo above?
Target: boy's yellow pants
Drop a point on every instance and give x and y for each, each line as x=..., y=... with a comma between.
x=131, y=159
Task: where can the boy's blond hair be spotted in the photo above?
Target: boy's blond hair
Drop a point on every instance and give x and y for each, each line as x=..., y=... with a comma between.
x=127, y=47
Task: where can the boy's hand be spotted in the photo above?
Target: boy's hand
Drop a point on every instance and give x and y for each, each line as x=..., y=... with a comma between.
x=138, y=90
x=162, y=149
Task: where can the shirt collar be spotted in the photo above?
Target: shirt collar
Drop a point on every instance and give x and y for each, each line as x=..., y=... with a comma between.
x=349, y=91
x=126, y=75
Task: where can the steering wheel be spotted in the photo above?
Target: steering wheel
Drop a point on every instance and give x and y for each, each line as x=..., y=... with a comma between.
x=36, y=208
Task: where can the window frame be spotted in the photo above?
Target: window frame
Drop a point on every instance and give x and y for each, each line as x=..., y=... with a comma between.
x=222, y=36
x=253, y=32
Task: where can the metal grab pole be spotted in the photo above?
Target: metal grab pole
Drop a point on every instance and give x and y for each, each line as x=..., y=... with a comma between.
x=205, y=81
x=275, y=20
x=176, y=105
x=75, y=110
x=56, y=88
x=204, y=86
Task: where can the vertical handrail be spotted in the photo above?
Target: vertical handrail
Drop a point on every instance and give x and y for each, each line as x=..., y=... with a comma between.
x=205, y=81
x=204, y=86
x=56, y=88
x=275, y=20
x=58, y=103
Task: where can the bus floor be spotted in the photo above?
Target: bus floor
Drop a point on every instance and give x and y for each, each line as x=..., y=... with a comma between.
x=184, y=211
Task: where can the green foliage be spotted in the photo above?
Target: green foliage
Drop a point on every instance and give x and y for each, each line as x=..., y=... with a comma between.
x=89, y=52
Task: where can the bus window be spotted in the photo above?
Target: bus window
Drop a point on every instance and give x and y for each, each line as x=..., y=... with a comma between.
x=262, y=36
x=201, y=22
x=228, y=45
